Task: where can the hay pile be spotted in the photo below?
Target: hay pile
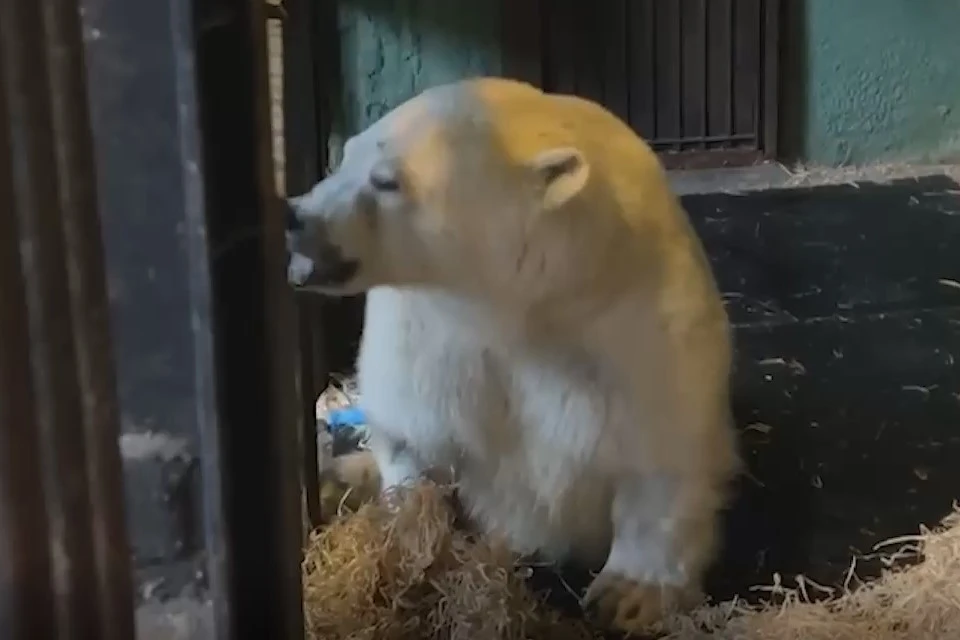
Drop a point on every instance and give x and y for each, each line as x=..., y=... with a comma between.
x=398, y=570
x=920, y=602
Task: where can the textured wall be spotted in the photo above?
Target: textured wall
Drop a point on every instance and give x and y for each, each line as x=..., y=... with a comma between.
x=392, y=49
x=862, y=81
x=877, y=80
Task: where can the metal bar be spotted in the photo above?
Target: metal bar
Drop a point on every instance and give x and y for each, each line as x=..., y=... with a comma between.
x=561, y=44
x=667, y=68
x=705, y=61
x=770, y=76
x=313, y=375
x=616, y=74
x=642, y=78
x=693, y=71
x=719, y=61
x=653, y=34
x=696, y=159
x=89, y=303
x=731, y=68
x=681, y=63
x=303, y=159
x=740, y=137
x=748, y=53
x=521, y=40
x=593, y=42
x=65, y=565
x=254, y=313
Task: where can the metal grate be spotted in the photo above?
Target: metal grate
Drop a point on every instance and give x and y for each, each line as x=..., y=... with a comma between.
x=695, y=78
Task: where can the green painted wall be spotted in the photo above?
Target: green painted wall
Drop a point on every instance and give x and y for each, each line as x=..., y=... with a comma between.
x=872, y=80
x=392, y=49
x=862, y=80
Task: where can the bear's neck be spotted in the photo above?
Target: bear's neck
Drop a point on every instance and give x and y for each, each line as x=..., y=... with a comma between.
x=582, y=323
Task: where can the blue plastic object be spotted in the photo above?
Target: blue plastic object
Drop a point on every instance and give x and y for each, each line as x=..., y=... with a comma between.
x=346, y=417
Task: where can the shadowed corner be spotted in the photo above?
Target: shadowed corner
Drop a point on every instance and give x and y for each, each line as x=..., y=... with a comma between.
x=292, y=220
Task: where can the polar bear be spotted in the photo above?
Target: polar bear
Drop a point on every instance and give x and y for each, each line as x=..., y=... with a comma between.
x=542, y=320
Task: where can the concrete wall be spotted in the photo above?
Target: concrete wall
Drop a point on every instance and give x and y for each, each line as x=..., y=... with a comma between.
x=862, y=81
x=867, y=81
x=392, y=49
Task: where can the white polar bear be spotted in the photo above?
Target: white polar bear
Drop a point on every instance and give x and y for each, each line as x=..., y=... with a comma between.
x=542, y=320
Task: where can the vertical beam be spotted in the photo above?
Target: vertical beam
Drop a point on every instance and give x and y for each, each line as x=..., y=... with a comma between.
x=254, y=327
x=303, y=162
x=770, y=105
x=64, y=562
x=201, y=308
x=143, y=103
x=300, y=75
x=521, y=26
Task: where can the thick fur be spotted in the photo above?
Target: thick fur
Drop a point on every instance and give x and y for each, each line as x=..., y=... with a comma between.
x=542, y=319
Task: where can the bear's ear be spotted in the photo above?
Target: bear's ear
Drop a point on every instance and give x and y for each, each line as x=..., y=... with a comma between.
x=564, y=172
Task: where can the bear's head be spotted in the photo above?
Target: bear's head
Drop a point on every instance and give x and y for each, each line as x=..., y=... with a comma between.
x=477, y=187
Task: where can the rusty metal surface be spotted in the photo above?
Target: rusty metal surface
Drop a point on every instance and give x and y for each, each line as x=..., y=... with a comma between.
x=64, y=560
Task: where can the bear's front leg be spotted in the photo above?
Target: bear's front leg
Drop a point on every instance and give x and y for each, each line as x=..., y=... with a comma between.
x=397, y=463
x=664, y=538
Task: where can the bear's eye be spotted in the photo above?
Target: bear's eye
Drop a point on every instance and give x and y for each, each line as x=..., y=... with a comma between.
x=383, y=181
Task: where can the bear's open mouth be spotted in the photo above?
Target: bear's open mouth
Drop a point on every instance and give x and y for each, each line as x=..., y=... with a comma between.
x=332, y=271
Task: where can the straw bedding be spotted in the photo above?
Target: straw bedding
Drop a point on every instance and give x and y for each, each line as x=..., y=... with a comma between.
x=398, y=569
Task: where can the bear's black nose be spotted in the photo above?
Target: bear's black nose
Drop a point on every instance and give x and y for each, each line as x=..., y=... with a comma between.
x=294, y=223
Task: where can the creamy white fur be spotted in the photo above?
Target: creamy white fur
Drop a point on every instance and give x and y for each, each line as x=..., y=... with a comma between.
x=557, y=339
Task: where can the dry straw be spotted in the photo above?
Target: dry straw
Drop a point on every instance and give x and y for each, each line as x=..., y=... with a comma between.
x=400, y=570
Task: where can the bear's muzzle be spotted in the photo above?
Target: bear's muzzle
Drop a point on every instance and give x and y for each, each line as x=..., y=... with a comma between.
x=314, y=261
